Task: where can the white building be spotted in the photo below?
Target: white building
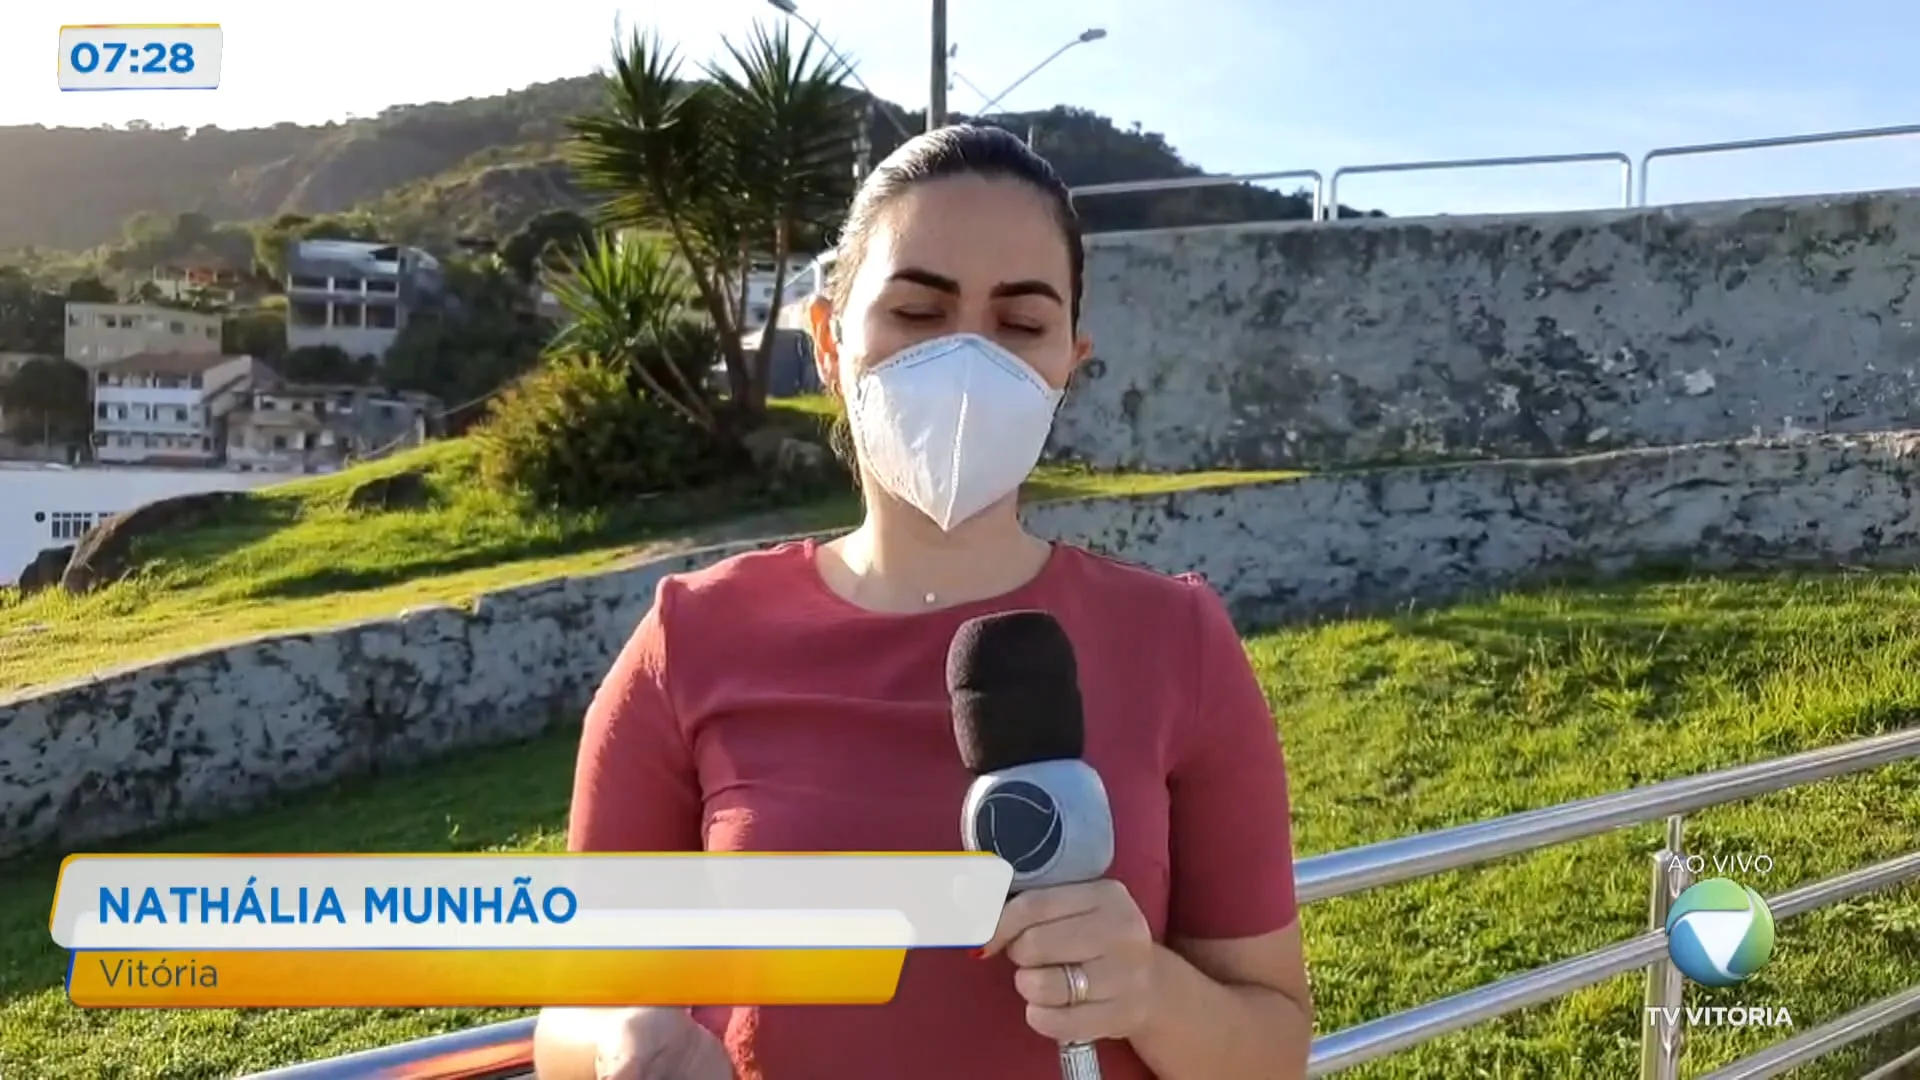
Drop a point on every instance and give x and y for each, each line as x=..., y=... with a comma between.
x=48, y=506
x=760, y=298
x=101, y=333
x=158, y=408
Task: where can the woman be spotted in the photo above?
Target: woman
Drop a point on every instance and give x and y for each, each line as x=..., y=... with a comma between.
x=793, y=699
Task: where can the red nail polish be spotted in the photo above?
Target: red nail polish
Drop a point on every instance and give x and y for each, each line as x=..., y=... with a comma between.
x=979, y=954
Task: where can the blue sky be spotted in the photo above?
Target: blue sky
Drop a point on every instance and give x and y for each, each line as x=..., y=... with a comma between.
x=1235, y=85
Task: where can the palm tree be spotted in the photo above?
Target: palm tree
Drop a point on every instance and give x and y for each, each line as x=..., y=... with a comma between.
x=723, y=168
x=792, y=123
x=628, y=303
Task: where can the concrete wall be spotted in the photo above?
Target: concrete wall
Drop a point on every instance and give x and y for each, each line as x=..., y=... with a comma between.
x=216, y=732
x=1420, y=339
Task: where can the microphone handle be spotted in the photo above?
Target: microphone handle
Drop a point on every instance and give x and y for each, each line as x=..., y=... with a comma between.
x=1079, y=1061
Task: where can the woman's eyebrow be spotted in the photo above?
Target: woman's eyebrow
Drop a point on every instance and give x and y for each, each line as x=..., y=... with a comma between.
x=931, y=280
x=942, y=283
x=1028, y=287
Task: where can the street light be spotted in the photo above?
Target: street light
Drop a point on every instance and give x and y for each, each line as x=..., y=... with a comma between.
x=1086, y=37
x=791, y=11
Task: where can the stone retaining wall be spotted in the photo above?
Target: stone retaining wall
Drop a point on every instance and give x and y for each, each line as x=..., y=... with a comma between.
x=219, y=731
x=1320, y=346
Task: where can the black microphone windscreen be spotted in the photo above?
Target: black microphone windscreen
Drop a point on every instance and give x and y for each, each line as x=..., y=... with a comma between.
x=1015, y=691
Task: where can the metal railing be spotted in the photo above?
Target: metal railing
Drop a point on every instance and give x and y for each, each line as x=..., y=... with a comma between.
x=504, y=1050
x=1625, y=162
x=1326, y=196
x=1769, y=143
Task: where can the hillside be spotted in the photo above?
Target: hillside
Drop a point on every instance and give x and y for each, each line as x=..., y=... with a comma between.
x=69, y=188
x=430, y=172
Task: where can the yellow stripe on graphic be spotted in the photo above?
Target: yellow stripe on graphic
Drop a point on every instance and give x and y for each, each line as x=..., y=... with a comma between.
x=483, y=978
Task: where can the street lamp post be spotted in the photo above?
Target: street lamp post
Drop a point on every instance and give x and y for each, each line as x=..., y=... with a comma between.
x=937, y=95
x=1086, y=37
x=792, y=11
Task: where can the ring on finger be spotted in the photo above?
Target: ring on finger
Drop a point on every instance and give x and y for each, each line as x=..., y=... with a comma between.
x=1078, y=991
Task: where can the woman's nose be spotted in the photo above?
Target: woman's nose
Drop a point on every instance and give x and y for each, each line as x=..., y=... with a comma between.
x=969, y=320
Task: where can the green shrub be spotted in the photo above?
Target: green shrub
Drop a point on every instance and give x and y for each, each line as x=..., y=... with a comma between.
x=577, y=432
x=690, y=345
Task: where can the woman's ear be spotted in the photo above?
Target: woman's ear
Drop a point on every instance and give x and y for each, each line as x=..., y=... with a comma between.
x=1082, y=350
x=826, y=343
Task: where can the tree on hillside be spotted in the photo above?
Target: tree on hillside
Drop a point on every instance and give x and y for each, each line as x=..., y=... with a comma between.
x=192, y=228
x=256, y=332
x=480, y=339
x=47, y=399
x=144, y=228
x=727, y=168
x=20, y=307
x=561, y=230
x=270, y=243
x=186, y=240
x=91, y=290
x=328, y=364
x=272, y=240
x=32, y=319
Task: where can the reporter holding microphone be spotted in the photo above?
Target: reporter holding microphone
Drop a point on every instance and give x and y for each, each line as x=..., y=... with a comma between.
x=795, y=699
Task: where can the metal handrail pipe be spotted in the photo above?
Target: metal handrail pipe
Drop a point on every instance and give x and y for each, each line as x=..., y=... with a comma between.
x=1188, y=183
x=1375, y=1039
x=1769, y=143
x=1892, y=1069
x=504, y=1049
x=1391, y=862
x=1812, y=1045
x=1625, y=162
x=491, y=1052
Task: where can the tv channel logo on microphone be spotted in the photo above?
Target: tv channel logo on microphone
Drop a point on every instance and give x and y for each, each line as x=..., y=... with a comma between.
x=1719, y=932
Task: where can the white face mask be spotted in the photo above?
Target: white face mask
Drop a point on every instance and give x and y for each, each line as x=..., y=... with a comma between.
x=951, y=426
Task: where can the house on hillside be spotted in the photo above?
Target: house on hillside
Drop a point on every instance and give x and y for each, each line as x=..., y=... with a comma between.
x=280, y=426
x=201, y=276
x=164, y=408
x=98, y=334
x=356, y=295
x=235, y=412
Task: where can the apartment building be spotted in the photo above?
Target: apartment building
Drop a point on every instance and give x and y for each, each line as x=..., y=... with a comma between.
x=761, y=303
x=355, y=295
x=287, y=427
x=210, y=281
x=99, y=334
x=164, y=408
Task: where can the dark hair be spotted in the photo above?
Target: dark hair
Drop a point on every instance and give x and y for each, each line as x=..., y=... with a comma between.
x=956, y=150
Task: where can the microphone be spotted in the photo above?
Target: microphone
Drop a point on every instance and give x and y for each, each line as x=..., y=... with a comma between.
x=1021, y=730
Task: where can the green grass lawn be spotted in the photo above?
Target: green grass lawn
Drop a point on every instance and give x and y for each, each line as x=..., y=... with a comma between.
x=295, y=557
x=1393, y=725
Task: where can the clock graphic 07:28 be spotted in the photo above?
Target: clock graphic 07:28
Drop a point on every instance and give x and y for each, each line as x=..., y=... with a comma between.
x=138, y=56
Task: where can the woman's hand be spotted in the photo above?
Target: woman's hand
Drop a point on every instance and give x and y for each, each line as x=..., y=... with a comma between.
x=1095, y=928
x=660, y=1044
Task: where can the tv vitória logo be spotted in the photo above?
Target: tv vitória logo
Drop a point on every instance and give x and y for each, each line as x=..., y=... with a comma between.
x=1719, y=932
